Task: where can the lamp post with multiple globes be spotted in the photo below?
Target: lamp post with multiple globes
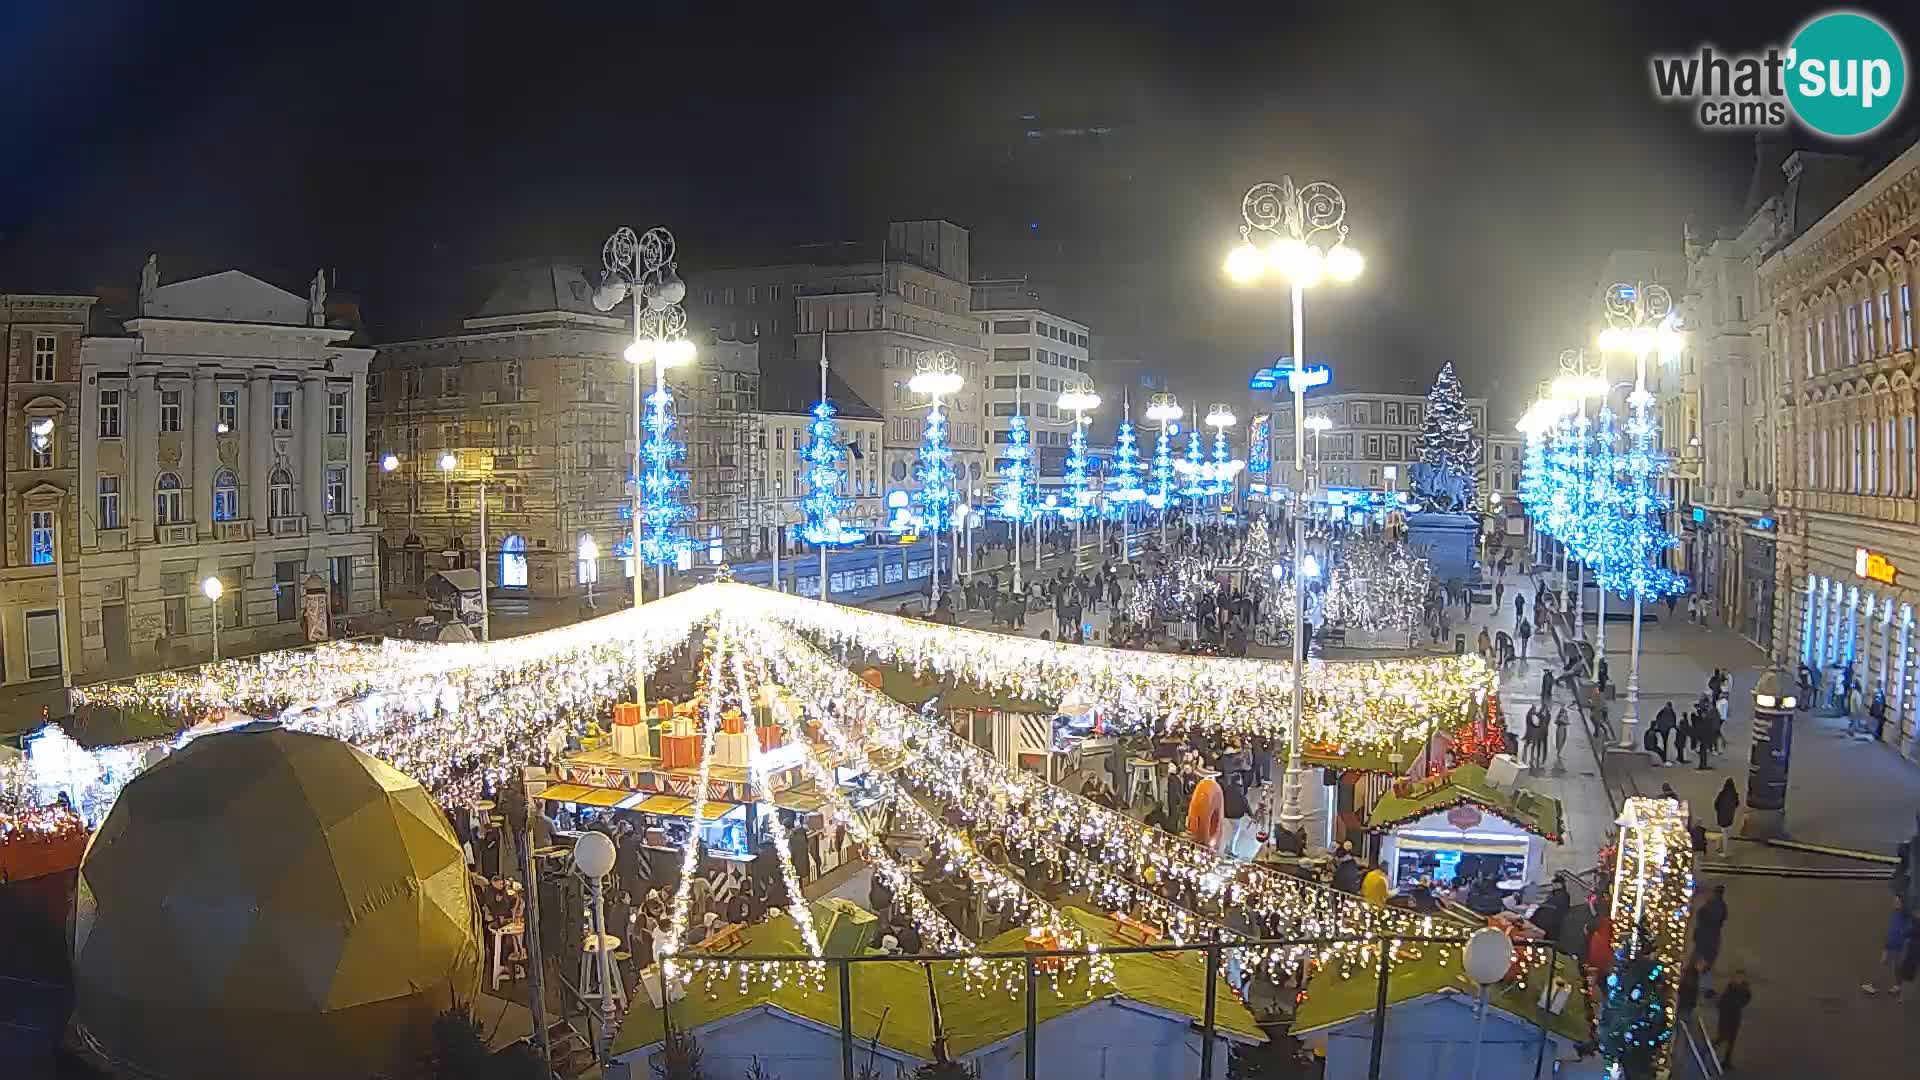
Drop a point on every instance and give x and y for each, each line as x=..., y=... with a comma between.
x=1294, y=223
x=1079, y=400
x=643, y=267
x=448, y=463
x=937, y=375
x=1165, y=411
x=214, y=590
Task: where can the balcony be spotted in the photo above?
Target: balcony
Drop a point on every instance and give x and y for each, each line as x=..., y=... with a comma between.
x=114, y=539
x=228, y=531
x=175, y=534
x=339, y=524
x=287, y=526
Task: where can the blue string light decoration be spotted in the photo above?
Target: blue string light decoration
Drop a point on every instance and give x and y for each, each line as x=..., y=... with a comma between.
x=934, y=471
x=1562, y=480
x=1126, y=468
x=1602, y=495
x=661, y=508
x=1194, y=468
x=1077, y=474
x=1017, y=492
x=1644, y=538
x=1534, y=484
x=1222, y=459
x=825, y=459
x=1163, y=468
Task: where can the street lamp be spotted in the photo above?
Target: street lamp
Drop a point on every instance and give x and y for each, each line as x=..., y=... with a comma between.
x=593, y=857
x=937, y=375
x=1318, y=423
x=1642, y=318
x=1164, y=410
x=214, y=590
x=642, y=267
x=448, y=463
x=1079, y=400
x=1296, y=221
x=389, y=463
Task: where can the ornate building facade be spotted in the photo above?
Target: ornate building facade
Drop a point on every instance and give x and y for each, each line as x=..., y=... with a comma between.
x=1840, y=300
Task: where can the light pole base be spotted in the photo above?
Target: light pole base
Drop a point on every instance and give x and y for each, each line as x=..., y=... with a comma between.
x=1292, y=813
x=1763, y=825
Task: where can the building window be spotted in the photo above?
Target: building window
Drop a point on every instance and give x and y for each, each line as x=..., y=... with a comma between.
x=286, y=591
x=166, y=500
x=40, y=532
x=336, y=490
x=1887, y=341
x=229, y=418
x=279, y=494
x=1906, y=316
x=283, y=410
x=337, y=413
x=40, y=442
x=226, y=496
x=43, y=345
x=107, y=503
x=449, y=382
x=1866, y=328
x=169, y=410
x=109, y=414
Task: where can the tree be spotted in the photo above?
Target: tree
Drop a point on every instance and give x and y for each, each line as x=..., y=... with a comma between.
x=825, y=456
x=1259, y=545
x=680, y=1057
x=1126, y=467
x=662, y=508
x=936, y=497
x=1634, y=1024
x=1448, y=442
x=1017, y=492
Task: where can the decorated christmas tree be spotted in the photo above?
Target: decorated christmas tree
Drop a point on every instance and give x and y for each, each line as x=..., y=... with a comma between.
x=662, y=509
x=1448, y=443
x=825, y=457
x=1643, y=539
x=1016, y=475
x=1125, y=469
x=1259, y=544
x=1162, y=495
x=1194, y=467
x=1634, y=1026
x=1077, y=473
x=936, y=497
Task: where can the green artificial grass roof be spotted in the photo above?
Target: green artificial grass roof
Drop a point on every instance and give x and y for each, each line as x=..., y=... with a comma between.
x=890, y=999
x=1333, y=997
x=908, y=688
x=1538, y=814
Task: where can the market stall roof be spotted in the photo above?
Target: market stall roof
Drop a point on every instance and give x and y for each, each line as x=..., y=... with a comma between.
x=908, y=688
x=890, y=1000
x=1335, y=996
x=1389, y=760
x=646, y=801
x=1467, y=785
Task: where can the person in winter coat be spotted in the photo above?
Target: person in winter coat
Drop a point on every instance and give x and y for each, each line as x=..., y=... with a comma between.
x=1234, y=808
x=1373, y=887
x=1733, y=1005
x=1708, y=925
x=1346, y=870
x=1725, y=805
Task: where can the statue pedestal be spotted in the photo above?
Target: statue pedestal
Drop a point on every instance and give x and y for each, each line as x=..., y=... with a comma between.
x=1449, y=541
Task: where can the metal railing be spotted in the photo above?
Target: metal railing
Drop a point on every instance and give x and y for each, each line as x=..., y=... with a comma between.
x=1542, y=958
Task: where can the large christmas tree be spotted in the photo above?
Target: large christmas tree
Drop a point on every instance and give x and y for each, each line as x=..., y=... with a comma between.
x=1449, y=442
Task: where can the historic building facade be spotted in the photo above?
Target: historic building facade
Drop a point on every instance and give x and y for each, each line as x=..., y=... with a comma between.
x=533, y=397
x=1840, y=302
x=40, y=340
x=1374, y=440
x=221, y=434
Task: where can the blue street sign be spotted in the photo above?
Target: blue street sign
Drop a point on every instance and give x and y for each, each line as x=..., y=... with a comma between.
x=1306, y=378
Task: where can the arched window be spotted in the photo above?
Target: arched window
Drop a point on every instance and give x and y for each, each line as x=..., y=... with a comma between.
x=226, y=496
x=513, y=562
x=166, y=500
x=279, y=494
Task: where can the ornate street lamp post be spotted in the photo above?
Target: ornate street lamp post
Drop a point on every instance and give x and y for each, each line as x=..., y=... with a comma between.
x=1292, y=224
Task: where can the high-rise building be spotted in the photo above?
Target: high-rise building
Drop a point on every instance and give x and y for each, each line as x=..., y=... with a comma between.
x=1033, y=353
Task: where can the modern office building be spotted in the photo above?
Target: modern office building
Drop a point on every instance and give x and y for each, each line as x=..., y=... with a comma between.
x=1033, y=354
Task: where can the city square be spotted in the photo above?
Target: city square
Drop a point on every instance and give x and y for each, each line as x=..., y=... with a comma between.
x=1060, y=576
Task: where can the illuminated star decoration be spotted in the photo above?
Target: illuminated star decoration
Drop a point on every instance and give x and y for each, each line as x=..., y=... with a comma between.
x=825, y=457
x=662, y=510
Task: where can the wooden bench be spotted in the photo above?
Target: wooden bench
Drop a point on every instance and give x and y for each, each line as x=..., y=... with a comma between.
x=724, y=939
x=1135, y=932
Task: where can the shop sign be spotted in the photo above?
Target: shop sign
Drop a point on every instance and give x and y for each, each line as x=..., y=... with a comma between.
x=1465, y=818
x=1874, y=566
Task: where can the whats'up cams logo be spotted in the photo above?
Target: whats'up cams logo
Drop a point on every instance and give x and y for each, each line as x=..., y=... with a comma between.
x=1843, y=75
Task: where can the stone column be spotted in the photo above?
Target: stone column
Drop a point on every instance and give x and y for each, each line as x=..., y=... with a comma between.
x=204, y=459
x=259, y=445
x=313, y=469
x=142, y=420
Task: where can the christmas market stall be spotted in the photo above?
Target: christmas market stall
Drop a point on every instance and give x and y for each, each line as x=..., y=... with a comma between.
x=1466, y=823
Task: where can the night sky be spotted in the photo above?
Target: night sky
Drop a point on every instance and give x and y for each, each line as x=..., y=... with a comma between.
x=1491, y=154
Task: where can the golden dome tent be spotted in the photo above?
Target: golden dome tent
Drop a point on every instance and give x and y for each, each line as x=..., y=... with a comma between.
x=266, y=902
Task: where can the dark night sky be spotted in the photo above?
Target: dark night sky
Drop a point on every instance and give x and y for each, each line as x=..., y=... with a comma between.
x=1491, y=154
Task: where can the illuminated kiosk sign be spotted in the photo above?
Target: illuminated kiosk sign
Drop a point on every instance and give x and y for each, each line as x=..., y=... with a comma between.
x=1874, y=566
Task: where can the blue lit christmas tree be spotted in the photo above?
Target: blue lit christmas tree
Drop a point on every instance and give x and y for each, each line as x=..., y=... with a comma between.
x=1534, y=484
x=1562, y=485
x=825, y=457
x=1077, y=473
x=1194, y=468
x=1162, y=496
x=1222, y=462
x=1603, y=496
x=936, y=497
x=1126, y=468
x=1637, y=570
x=1017, y=491
x=661, y=509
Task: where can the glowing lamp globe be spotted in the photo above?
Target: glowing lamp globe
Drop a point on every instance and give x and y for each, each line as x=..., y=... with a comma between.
x=1082, y=400
x=934, y=383
x=678, y=353
x=1245, y=264
x=608, y=293
x=448, y=462
x=1488, y=956
x=389, y=463
x=263, y=895
x=1344, y=263
x=639, y=352
x=593, y=855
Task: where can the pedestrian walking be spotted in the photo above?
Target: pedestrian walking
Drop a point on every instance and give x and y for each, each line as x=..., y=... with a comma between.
x=1546, y=686
x=1561, y=723
x=1725, y=805
x=1682, y=735
x=1893, y=950
x=1500, y=595
x=1525, y=631
x=1708, y=924
x=1485, y=645
x=1519, y=610
x=1733, y=1005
